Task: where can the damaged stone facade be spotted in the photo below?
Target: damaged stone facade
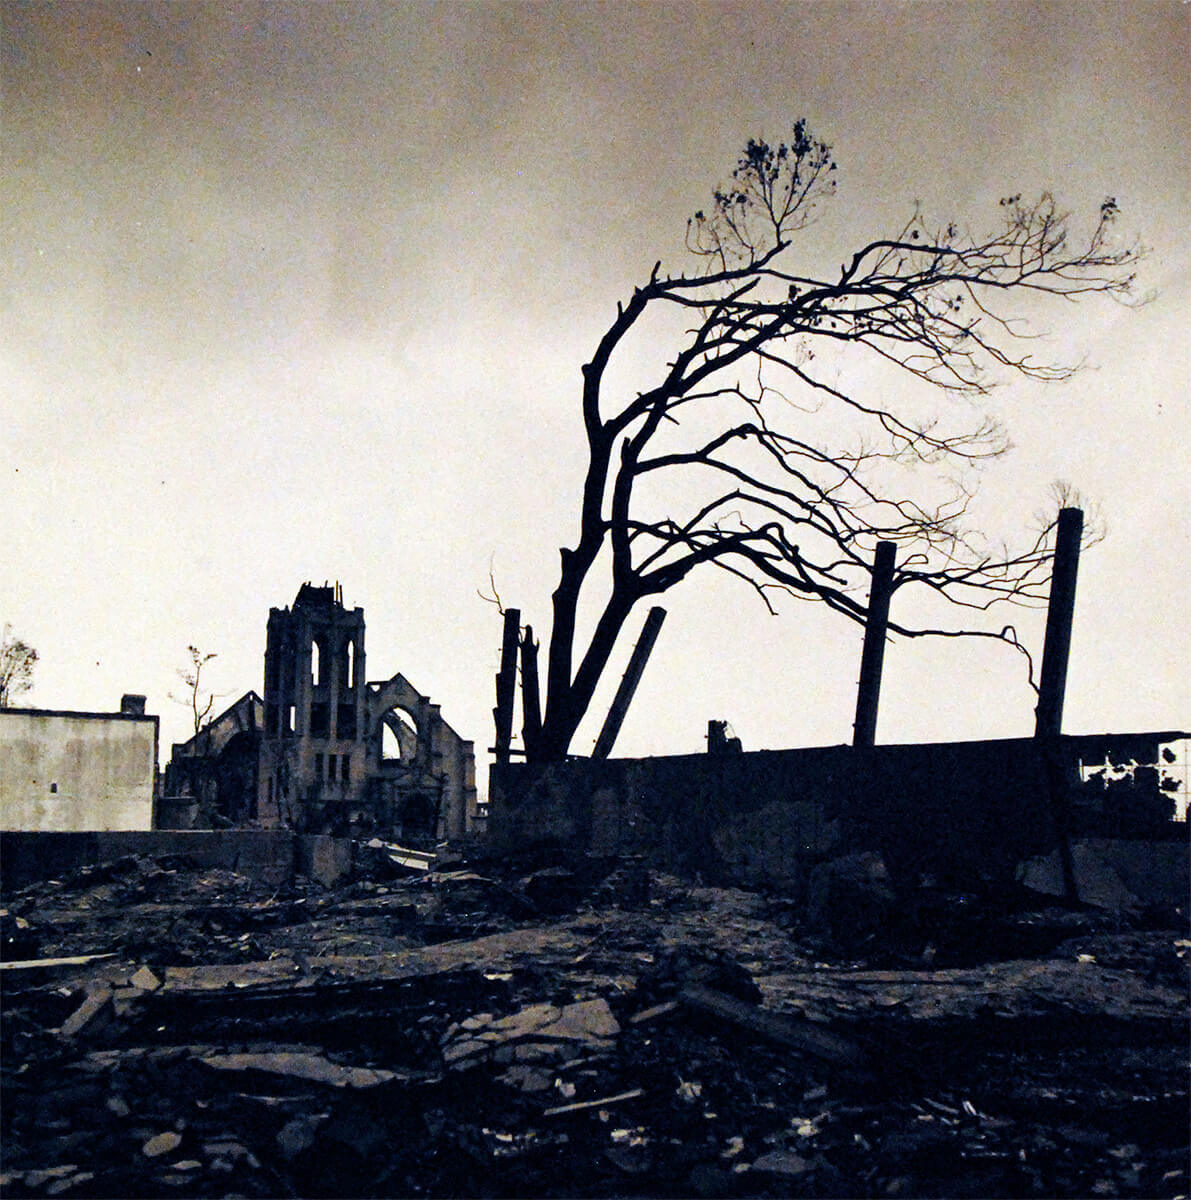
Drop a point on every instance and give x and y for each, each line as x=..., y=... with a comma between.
x=212, y=779
x=330, y=752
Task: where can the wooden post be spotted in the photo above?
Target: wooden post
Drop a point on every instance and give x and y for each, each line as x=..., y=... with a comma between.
x=506, y=685
x=872, y=657
x=628, y=684
x=1056, y=650
x=1052, y=683
x=531, y=704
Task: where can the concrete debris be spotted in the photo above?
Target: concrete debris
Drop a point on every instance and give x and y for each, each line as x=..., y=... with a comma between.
x=311, y=1068
x=36, y=1179
x=850, y=896
x=94, y=1014
x=452, y=1033
x=60, y=1187
x=781, y=1163
x=796, y=1035
x=299, y=1135
x=145, y=981
x=162, y=1143
x=537, y=1033
x=1097, y=884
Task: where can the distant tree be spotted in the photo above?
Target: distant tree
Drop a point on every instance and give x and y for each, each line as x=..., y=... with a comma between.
x=749, y=451
x=17, y=660
x=196, y=699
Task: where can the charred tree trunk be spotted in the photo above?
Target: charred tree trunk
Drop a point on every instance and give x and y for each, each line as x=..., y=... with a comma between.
x=566, y=707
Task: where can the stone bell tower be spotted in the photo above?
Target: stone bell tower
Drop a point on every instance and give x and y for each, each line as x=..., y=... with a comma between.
x=313, y=768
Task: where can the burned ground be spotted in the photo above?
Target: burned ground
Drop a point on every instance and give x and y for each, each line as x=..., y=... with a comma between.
x=479, y=1031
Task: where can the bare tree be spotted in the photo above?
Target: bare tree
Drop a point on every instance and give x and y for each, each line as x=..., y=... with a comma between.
x=17, y=660
x=718, y=461
x=199, y=702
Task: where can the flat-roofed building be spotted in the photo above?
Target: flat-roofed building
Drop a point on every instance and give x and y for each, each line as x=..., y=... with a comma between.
x=77, y=771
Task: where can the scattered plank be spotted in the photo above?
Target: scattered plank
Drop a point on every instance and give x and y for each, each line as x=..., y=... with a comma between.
x=652, y=1014
x=603, y=1102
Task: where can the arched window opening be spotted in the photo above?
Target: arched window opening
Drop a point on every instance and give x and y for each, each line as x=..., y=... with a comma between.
x=316, y=662
x=399, y=736
x=350, y=673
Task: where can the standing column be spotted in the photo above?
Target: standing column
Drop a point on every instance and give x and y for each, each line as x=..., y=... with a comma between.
x=1056, y=650
x=506, y=685
x=872, y=658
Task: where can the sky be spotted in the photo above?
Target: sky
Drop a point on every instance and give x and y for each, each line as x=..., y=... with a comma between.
x=299, y=291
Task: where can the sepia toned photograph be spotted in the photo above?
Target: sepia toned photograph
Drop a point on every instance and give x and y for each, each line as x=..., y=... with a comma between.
x=594, y=598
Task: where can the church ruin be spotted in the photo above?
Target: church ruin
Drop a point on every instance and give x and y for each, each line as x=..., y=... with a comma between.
x=323, y=750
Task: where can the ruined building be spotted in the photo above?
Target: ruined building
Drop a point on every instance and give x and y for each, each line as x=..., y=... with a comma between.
x=324, y=750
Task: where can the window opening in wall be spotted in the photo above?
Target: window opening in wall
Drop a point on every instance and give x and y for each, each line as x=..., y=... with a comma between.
x=269, y=788
x=350, y=674
x=399, y=735
x=320, y=720
x=331, y=767
x=316, y=666
x=318, y=766
x=290, y=718
x=345, y=765
x=53, y=789
x=346, y=721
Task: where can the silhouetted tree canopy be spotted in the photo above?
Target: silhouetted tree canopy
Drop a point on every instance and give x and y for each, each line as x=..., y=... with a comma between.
x=749, y=452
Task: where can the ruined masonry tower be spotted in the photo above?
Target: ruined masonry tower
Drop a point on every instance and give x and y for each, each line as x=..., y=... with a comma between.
x=315, y=706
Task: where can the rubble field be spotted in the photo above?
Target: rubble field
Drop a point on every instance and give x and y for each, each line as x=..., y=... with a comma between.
x=594, y=1030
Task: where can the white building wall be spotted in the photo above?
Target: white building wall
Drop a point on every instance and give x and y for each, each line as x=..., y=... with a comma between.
x=76, y=771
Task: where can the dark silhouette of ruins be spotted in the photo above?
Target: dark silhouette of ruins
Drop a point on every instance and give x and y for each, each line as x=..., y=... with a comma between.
x=324, y=750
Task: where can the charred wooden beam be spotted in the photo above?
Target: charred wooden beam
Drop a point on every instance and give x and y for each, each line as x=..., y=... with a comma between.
x=628, y=684
x=872, y=658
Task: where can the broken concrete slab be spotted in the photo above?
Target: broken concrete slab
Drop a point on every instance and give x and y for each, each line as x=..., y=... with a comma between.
x=488, y=952
x=1097, y=883
x=310, y=1068
x=1022, y=990
x=144, y=980
x=96, y=1013
x=538, y=1033
x=850, y=897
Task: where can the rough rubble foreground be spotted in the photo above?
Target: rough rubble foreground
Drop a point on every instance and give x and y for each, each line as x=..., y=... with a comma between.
x=622, y=1033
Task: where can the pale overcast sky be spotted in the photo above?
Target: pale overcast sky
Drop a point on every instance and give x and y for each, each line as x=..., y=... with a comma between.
x=301, y=292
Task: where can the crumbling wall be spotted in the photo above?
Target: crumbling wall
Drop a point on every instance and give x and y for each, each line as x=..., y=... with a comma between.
x=211, y=779
x=960, y=811
x=270, y=855
x=430, y=789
